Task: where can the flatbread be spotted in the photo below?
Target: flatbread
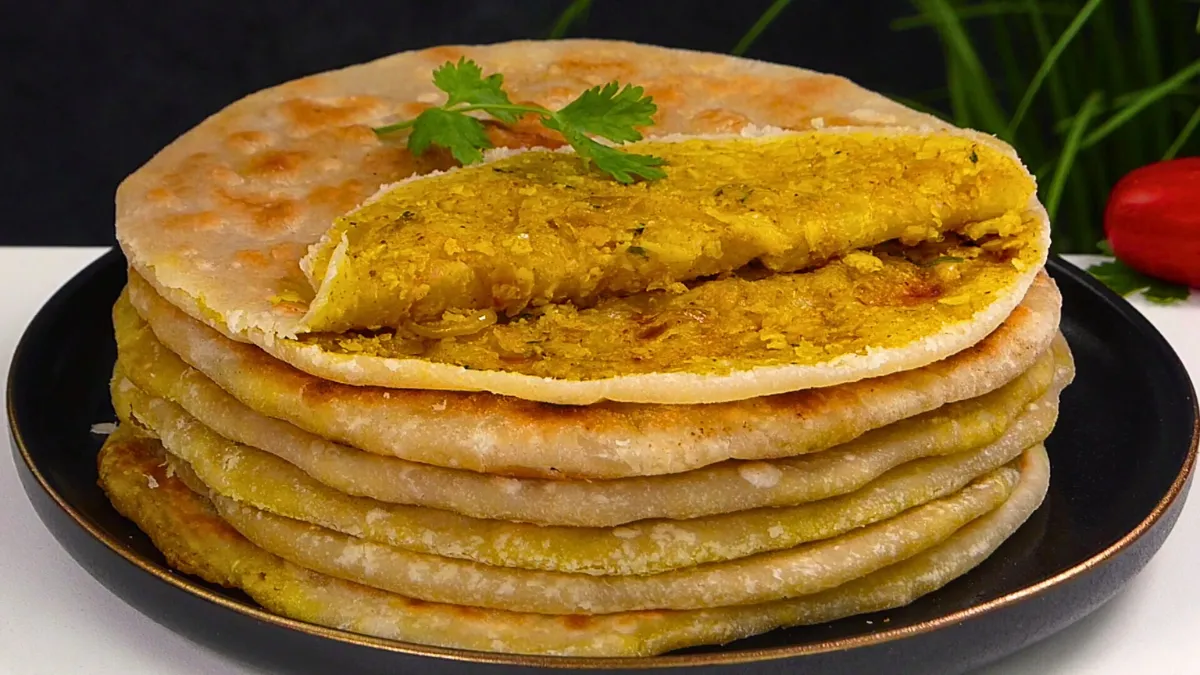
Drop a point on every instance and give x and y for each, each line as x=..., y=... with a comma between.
x=219, y=220
x=506, y=436
x=195, y=540
x=866, y=314
x=721, y=488
x=809, y=568
x=535, y=227
x=259, y=480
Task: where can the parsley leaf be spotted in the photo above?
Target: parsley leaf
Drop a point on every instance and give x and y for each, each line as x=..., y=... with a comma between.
x=625, y=167
x=610, y=111
x=607, y=111
x=1125, y=280
x=462, y=134
x=464, y=82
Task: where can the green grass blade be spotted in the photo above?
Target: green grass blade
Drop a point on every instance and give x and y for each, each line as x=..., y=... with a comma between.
x=960, y=108
x=574, y=12
x=1183, y=136
x=1140, y=103
x=1014, y=80
x=1048, y=62
x=1058, y=93
x=975, y=87
x=759, y=26
x=1111, y=71
x=1061, y=126
x=1070, y=148
x=1148, y=45
x=982, y=10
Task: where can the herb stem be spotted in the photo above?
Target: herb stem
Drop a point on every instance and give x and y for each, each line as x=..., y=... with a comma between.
x=392, y=128
x=510, y=107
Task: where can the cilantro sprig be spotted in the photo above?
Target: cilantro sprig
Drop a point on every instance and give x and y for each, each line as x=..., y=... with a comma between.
x=610, y=111
x=1125, y=280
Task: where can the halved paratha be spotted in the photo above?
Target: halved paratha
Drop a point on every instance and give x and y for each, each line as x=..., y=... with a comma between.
x=537, y=227
x=219, y=221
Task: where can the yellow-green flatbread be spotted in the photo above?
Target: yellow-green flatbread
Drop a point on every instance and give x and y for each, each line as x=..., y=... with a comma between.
x=195, y=540
x=511, y=437
x=806, y=569
x=257, y=479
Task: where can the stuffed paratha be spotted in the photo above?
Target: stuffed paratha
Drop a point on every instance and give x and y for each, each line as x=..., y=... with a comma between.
x=506, y=436
x=259, y=480
x=219, y=221
x=194, y=539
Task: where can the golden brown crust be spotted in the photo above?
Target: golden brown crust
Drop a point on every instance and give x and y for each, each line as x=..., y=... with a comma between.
x=501, y=435
x=185, y=527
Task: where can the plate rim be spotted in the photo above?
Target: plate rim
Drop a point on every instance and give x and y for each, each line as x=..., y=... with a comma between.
x=186, y=584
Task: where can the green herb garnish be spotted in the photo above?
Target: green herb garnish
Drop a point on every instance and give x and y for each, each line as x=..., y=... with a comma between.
x=610, y=111
x=1125, y=280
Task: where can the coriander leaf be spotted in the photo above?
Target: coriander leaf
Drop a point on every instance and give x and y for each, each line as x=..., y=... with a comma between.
x=608, y=111
x=1125, y=280
x=624, y=166
x=464, y=82
x=1162, y=293
x=1104, y=247
x=462, y=134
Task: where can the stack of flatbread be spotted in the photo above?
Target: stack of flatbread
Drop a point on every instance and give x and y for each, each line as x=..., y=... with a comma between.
x=521, y=407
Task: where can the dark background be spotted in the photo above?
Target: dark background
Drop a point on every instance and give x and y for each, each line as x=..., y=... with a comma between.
x=90, y=89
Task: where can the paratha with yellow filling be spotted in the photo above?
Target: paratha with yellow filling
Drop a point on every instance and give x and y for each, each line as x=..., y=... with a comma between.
x=219, y=220
x=506, y=436
x=806, y=569
x=195, y=540
x=721, y=488
x=537, y=227
x=259, y=480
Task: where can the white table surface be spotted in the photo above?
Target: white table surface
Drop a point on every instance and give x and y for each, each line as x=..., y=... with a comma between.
x=55, y=619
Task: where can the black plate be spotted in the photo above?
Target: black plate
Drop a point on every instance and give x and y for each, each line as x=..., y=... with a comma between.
x=1121, y=457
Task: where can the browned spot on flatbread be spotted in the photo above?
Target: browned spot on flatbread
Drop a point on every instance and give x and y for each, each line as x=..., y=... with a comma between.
x=261, y=215
x=443, y=53
x=250, y=258
x=339, y=198
x=316, y=390
x=161, y=196
x=277, y=164
x=576, y=621
x=667, y=93
x=414, y=108
x=307, y=115
x=287, y=251
x=526, y=132
x=247, y=142
x=596, y=71
x=202, y=221
x=719, y=120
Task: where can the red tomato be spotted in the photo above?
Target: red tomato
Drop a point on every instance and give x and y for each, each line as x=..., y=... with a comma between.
x=1153, y=220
